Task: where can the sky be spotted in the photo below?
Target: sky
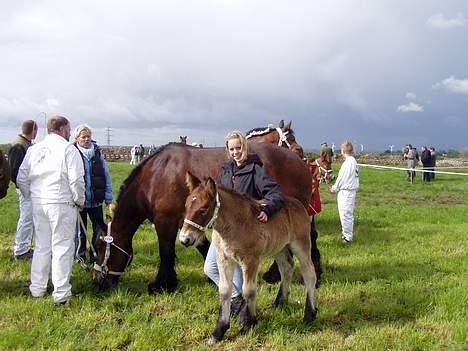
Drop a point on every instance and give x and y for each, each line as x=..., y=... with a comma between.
x=378, y=73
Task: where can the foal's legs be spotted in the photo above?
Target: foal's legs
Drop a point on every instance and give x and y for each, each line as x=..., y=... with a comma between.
x=248, y=315
x=301, y=250
x=226, y=271
x=285, y=265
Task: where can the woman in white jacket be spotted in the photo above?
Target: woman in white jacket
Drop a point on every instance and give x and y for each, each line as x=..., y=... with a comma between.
x=346, y=185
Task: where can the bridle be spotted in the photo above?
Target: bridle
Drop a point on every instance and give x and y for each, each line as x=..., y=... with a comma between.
x=212, y=220
x=109, y=240
x=283, y=137
x=323, y=172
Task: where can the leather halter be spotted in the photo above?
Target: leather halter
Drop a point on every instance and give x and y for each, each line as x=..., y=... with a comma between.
x=212, y=220
x=109, y=240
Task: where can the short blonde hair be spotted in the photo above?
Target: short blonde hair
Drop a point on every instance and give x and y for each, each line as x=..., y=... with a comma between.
x=347, y=147
x=243, y=141
x=81, y=128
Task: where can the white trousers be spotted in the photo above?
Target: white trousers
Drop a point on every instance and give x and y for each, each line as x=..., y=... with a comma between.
x=346, y=200
x=24, y=227
x=53, y=253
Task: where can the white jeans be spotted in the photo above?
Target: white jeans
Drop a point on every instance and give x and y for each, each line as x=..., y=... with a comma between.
x=24, y=227
x=55, y=245
x=346, y=200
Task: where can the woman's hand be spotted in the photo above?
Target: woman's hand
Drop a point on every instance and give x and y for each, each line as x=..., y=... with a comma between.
x=262, y=217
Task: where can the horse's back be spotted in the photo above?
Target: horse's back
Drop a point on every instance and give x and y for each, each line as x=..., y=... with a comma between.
x=4, y=175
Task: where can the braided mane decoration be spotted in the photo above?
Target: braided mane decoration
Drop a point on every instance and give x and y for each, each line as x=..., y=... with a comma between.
x=259, y=131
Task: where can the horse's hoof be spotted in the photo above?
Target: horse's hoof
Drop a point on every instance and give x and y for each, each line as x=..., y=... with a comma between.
x=212, y=340
x=309, y=317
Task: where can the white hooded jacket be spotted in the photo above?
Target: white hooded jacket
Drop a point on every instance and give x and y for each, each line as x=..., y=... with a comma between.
x=52, y=172
x=348, y=176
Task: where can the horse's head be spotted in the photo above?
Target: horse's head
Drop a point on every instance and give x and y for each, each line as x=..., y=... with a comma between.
x=111, y=259
x=286, y=135
x=325, y=172
x=201, y=207
x=183, y=139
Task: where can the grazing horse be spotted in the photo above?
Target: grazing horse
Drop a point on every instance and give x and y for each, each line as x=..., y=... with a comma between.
x=283, y=135
x=240, y=237
x=4, y=175
x=156, y=190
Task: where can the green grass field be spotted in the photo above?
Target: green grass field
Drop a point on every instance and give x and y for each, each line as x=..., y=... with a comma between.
x=401, y=285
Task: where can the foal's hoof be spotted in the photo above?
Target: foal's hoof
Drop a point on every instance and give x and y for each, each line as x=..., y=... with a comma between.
x=310, y=316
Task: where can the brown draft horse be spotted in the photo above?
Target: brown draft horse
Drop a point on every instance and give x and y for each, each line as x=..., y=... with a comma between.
x=4, y=175
x=156, y=190
x=283, y=135
x=240, y=237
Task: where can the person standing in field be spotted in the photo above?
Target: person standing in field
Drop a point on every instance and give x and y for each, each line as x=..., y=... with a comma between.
x=4, y=175
x=98, y=188
x=24, y=227
x=426, y=163
x=412, y=157
x=433, y=162
x=346, y=185
x=52, y=176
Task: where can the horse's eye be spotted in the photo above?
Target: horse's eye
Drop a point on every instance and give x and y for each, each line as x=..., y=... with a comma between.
x=204, y=210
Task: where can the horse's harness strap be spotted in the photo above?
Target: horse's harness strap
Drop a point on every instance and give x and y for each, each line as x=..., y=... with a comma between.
x=212, y=220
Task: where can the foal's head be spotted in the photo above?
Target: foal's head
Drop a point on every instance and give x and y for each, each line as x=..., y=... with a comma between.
x=200, y=209
x=325, y=172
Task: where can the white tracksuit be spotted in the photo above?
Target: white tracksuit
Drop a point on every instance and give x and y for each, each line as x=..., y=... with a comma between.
x=52, y=176
x=346, y=185
x=24, y=227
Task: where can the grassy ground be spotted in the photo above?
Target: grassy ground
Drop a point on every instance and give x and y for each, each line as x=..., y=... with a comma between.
x=401, y=285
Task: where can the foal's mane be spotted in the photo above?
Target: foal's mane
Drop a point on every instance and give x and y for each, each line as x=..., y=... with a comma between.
x=241, y=197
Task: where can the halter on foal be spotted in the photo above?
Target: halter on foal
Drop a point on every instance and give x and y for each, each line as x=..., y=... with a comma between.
x=240, y=237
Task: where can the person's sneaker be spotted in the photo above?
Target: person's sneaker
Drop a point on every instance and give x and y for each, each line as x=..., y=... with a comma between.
x=237, y=303
x=345, y=241
x=26, y=256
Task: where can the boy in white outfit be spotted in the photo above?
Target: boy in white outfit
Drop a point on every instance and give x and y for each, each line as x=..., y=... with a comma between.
x=346, y=185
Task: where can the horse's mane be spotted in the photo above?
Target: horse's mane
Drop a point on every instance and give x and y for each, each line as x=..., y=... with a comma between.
x=258, y=131
x=126, y=184
x=262, y=131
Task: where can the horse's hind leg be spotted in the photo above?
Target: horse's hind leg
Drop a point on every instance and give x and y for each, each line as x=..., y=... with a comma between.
x=166, y=279
x=285, y=265
x=301, y=249
x=248, y=315
x=314, y=251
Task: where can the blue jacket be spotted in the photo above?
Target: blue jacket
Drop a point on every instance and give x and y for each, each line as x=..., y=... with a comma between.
x=89, y=177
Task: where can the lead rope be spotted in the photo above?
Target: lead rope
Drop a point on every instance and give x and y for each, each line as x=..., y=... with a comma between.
x=81, y=226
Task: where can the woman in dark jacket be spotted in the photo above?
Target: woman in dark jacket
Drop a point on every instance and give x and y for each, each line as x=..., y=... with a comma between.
x=245, y=174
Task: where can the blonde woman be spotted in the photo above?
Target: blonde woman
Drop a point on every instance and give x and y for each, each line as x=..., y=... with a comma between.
x=245, y=174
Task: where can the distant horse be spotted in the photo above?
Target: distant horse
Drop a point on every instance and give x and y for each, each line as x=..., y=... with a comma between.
x=240, y=237
x=156, y=190
x=4, y=175
x=283, y=135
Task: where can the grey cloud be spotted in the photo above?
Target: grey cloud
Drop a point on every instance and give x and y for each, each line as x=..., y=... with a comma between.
x=439, y=21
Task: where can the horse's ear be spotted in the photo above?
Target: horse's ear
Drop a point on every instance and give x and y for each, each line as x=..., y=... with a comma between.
x=191, y=181
x=287, y=126
x=211, y=186
x=281, y=124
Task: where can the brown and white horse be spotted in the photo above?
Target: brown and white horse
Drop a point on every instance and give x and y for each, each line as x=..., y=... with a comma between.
x=282, y=135
x=240, y=237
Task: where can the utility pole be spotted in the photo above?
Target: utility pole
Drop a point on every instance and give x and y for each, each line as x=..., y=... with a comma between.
x=108, y=135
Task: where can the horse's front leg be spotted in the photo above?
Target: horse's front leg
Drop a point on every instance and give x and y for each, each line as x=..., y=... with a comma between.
x=166, y=278
x=248, y=315
x=226, y=271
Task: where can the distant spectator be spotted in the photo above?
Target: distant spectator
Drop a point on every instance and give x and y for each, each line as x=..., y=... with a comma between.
x=433, y=162
x=426, y=163
x=133, y=154
x=25, y=226
x=412, y=158
x=142, y=153
x=152, y=149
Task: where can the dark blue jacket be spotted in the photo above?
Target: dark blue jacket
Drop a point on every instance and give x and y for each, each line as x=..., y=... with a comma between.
x=251, y=179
